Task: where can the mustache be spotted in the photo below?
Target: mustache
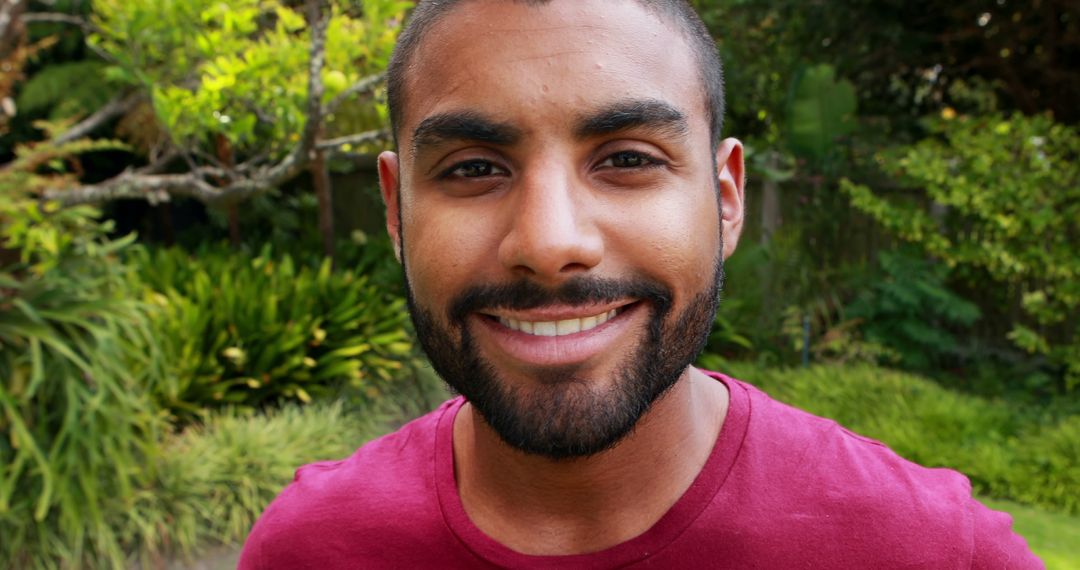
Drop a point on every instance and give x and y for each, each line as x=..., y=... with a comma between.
x=526, y=294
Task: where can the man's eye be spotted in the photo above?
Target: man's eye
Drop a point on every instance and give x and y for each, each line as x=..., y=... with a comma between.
x=474, y=169
x=628, y=159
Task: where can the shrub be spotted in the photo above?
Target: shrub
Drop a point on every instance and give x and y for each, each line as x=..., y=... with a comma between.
x=1007, y=214
x=76, y=431
x=213, y=480
x=911, y=309
x=75, y=428
x=261, y=331
x=1048, y=472
x=762, y=285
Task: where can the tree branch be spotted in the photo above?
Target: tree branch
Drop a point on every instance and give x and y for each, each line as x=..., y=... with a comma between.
x=59, y=18
x=154, y=188
x=363, y=87
x=243, y=182
x=359, y=138
x=113, y=109
x=302, y=152
x=10, y=29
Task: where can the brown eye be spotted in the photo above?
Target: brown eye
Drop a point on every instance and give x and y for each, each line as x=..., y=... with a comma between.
x=628, y=159
x=474, y=169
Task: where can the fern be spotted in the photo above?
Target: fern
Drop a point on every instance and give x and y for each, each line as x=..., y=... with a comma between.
x=67, y=89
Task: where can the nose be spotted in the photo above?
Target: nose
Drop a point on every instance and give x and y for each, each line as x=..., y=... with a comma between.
x=552, y=231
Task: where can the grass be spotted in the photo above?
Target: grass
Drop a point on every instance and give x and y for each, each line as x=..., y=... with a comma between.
x=216, y=478
x=1054, y=537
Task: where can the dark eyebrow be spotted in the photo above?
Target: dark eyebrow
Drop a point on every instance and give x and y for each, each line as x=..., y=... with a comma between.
x=645, y=113
x=462, y=126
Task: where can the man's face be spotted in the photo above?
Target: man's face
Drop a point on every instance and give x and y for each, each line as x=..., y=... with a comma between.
x=559, y=221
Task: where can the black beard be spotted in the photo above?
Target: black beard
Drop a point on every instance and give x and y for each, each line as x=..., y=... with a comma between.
x=561, y=416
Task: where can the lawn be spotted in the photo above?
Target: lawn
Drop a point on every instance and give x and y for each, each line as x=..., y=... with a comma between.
x=1054, y=537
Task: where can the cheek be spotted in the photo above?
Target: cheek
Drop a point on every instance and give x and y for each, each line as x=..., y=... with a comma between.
x=444, y=251
x=675, y=238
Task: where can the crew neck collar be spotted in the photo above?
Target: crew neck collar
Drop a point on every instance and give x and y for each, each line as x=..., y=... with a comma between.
x=670, y=526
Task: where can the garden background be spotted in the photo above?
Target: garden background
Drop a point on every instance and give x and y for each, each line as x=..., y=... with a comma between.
x=196, y=295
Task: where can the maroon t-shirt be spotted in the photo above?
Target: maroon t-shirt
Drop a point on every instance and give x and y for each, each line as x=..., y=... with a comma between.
x=781, y=489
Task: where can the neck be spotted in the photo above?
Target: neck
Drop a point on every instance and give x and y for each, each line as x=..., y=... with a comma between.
x=536, y=505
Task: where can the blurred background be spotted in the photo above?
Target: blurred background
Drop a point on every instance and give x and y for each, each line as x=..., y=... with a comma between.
x=197, y=296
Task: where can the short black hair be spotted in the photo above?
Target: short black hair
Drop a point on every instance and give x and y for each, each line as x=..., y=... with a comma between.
x=679, y=12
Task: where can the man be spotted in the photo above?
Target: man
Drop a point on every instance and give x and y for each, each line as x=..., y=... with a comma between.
x=562, y=203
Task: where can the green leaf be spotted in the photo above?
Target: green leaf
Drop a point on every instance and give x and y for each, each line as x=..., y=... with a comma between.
x=821, y=110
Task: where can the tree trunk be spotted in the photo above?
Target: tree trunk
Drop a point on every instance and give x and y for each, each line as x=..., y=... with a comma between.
x=770, y=202
x=168, y=228
x=234, y=225
x=320, y=179
x=228, y=160
x=11, y=27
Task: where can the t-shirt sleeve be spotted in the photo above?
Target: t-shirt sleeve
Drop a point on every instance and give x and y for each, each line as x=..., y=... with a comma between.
x=269, y=524
x=996, y=545
x=249, y=556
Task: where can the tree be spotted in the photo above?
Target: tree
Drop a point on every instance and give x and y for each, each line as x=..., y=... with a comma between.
x=228, y=101
x=1009, y=189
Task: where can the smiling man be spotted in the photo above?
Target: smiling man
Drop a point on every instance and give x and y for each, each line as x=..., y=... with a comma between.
x=562, y=203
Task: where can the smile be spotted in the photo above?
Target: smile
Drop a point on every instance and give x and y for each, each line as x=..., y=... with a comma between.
x=558, y=328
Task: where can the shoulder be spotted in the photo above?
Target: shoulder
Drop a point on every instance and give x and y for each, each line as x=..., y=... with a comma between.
x=384, y=488
x=867, y=499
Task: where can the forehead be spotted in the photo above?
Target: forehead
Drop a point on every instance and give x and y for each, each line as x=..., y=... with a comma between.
x=518, y=62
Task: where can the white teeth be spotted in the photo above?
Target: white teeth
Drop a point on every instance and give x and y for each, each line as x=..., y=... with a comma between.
x=546, y=328
x=558, y=328
x=569, y=326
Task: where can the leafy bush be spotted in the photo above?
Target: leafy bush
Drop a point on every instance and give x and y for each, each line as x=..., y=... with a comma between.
x=76, y=431
x=910, y=310
x=260, y=331
x=237, y=69
x=761, y=284
x=213, y=480
x=1049, y=467
x=772, y=289
x=1010, y=189
x=284, y=219
x=1007, y=452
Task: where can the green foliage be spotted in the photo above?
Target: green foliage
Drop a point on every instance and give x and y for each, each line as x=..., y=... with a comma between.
x=1011, y=187
x=1006, y=451
x=821, y=111
x=1049, y=467
x=284, y=219
x=239, y=69
x=75, y=429
x=769, y=289
x=725, y=339
x=262, y=331
x=910, y=310
x=66, y=89
x=214, y=479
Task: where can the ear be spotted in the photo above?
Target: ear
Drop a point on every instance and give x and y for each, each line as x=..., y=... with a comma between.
x=732, y=175
x=390, y=188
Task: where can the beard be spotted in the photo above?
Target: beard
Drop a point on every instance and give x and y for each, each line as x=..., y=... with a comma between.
x=562, y=414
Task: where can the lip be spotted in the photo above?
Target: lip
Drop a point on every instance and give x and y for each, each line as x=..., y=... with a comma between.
x=577, y=348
